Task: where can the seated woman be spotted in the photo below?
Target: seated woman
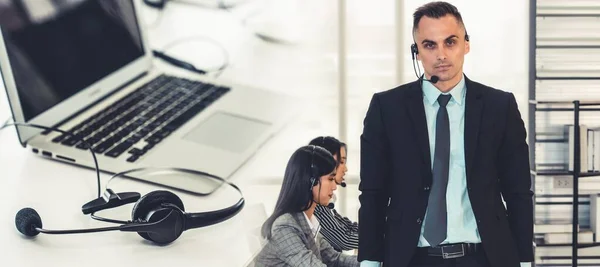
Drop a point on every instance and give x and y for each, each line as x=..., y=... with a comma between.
x=292, y=231
x=339, y=231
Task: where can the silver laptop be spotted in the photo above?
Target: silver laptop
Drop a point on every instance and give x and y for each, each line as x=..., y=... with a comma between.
x=86, y=67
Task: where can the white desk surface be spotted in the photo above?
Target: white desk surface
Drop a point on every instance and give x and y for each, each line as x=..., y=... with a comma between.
x=57, y=191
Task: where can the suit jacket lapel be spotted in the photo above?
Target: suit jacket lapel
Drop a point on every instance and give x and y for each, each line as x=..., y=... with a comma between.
x=308, y=233
x=419, y=121
x=473, y=114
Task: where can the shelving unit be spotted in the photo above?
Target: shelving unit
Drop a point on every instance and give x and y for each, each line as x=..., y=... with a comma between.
x=576, y=173
x=564, y=52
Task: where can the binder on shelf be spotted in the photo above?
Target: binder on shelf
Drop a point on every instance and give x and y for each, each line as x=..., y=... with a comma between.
x=553, y=228
x=565, y=238
x=590, y=150
x=583, y=141
x=596, y=148
x=594, y=213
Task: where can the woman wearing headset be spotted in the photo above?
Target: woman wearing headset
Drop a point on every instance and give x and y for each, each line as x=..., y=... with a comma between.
x=339, y=231
x=292, y=231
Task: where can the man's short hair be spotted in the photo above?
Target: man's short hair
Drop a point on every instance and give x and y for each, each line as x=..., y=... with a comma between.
x=436, y=10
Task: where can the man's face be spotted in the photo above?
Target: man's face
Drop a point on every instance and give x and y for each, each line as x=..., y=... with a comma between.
x=442, y=46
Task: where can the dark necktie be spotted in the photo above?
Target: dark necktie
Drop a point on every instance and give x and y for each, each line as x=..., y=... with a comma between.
x=436, y=222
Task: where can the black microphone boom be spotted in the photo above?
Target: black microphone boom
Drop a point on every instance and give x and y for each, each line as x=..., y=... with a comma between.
x=76, y=231
x=164, y=231
x=434, y=79
x=29, y=223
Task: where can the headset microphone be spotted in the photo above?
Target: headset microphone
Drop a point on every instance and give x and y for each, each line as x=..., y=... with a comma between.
x=331, y=205
x=434, y=79
x=414, y=51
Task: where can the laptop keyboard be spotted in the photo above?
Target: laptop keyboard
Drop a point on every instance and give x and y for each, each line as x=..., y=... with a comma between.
x=137, y=122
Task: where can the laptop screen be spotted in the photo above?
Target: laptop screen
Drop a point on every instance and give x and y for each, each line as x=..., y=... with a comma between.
x=58, y=48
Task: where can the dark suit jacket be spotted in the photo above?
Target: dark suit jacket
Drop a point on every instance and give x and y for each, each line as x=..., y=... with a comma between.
x=396, y=175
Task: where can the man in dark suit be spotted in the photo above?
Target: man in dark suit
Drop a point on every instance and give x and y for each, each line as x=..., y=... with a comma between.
x=438, y=157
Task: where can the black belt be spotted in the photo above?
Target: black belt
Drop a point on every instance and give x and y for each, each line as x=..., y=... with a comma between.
x=450, y=251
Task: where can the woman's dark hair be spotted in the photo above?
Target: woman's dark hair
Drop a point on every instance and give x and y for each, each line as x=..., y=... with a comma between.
x=332, y=144
x=296, y=190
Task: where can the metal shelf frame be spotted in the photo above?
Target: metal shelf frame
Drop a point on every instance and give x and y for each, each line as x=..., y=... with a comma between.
x=575, y=107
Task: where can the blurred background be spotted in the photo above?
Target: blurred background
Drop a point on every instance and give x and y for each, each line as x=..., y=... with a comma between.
x=334, y=55
x=292, y=47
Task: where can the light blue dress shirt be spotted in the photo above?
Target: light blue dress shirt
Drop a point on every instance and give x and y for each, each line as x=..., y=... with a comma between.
x=462, y=225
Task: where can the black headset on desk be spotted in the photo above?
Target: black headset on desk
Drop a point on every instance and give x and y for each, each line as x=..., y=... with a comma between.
x=158, y=216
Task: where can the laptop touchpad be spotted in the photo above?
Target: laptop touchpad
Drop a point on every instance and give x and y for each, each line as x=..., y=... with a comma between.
x=227, y=131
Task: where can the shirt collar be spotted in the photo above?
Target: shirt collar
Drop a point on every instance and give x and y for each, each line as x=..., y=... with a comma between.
x=313, y=223
x=431, y=93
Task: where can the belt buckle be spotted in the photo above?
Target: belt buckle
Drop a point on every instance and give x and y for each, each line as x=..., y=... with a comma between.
x=447, y=252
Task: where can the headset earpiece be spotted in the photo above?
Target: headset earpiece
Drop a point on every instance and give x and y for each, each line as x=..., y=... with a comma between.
x=414, y=51
x=174, y=225
x=313, y=170
x=150, y=208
